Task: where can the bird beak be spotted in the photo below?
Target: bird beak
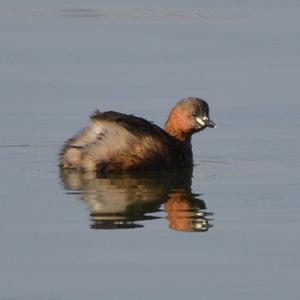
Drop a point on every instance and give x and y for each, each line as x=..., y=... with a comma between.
x=210, y=123
x=205, y=121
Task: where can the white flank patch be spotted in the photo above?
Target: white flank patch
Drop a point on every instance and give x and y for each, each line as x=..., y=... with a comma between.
x=96, y=127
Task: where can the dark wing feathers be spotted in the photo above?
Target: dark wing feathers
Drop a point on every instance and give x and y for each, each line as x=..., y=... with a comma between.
x=135, y=125
x=143, y=128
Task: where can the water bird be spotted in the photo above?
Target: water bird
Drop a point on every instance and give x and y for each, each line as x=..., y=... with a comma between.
x=117, y=142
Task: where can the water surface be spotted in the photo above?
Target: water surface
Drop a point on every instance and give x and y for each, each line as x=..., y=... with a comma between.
x=226, y=229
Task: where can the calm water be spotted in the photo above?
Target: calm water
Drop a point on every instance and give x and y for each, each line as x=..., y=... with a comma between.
x=227, y=229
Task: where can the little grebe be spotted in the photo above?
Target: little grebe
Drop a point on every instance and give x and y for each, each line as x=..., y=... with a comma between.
x=116, y=142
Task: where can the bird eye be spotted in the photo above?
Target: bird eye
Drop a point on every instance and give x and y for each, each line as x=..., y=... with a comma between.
x=194, y=114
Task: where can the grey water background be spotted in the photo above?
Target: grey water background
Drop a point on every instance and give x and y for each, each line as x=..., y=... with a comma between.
x=60, y=60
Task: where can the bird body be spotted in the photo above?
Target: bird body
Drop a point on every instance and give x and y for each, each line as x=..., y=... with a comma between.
x=116, y=142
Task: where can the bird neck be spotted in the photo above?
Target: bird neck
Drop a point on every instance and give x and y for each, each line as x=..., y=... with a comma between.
x=177, y=127
x=184, y=139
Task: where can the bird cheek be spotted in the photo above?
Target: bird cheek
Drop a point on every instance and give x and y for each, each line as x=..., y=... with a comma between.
x=200, y=121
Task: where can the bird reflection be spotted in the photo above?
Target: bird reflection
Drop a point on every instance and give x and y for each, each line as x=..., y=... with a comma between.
x=124, y=200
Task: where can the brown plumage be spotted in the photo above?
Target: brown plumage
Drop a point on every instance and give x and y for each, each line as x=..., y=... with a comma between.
x=116, y=142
